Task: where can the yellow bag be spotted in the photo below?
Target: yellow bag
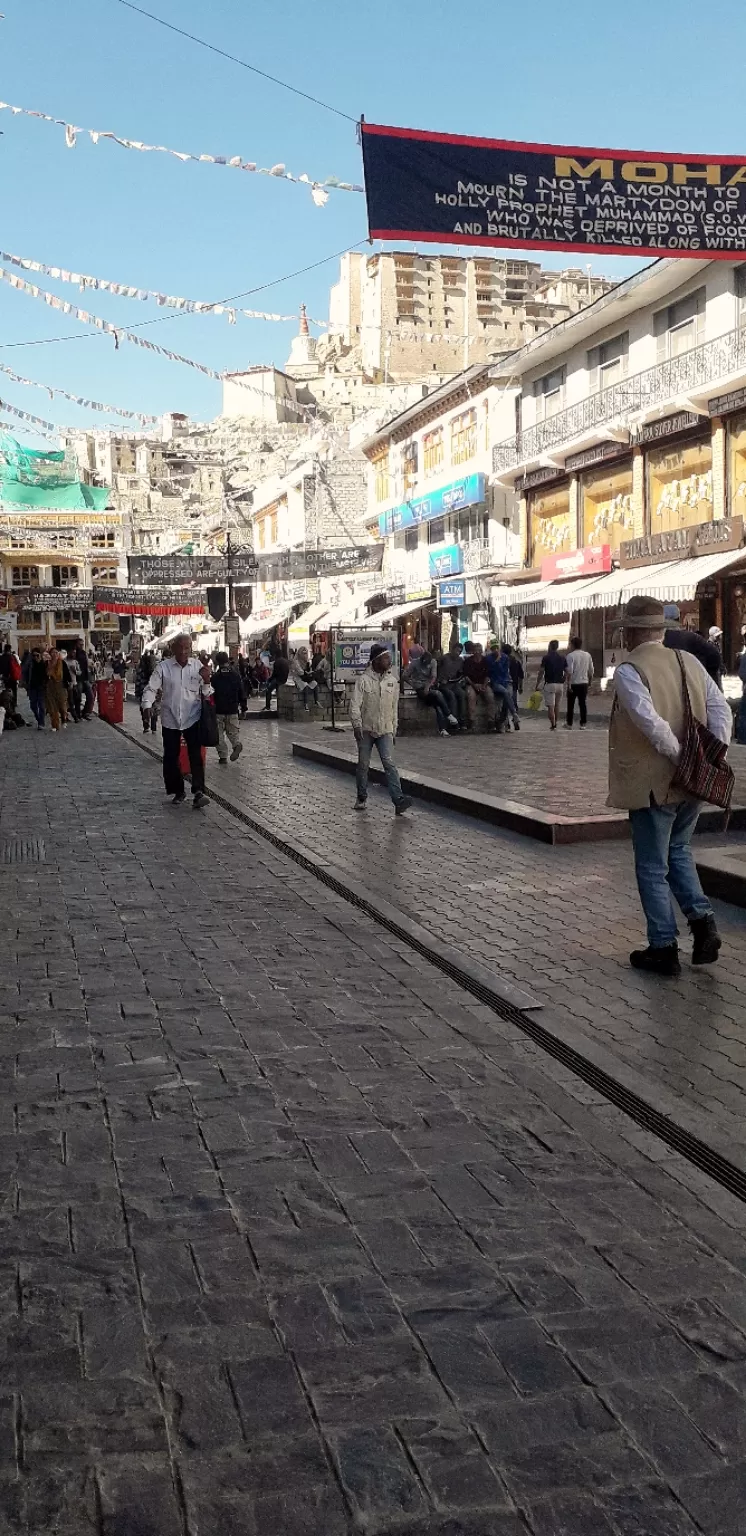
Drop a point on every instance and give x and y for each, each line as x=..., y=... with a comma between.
x=535, y=700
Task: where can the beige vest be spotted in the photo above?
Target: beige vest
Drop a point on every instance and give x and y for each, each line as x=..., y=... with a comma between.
x=636, y=770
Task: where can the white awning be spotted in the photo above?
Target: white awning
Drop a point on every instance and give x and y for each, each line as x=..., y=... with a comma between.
x=389, y=615
x=336, y=618
x=678, y=582
x=312, y=615
x=569, y=596
x=252, y=627
x=520, y=599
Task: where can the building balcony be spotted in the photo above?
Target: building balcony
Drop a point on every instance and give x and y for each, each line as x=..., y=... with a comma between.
x=684, y=382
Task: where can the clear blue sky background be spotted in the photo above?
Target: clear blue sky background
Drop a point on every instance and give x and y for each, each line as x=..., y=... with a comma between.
x=581, y=73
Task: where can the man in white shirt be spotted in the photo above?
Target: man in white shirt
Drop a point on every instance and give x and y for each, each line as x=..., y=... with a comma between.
x=645, y=735
x=579, y=678
x=183, y=682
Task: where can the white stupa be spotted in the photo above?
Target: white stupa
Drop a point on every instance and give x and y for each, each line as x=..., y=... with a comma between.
x=302, y=363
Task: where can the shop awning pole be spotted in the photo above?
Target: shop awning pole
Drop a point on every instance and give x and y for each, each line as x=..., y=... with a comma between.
x=333, y=726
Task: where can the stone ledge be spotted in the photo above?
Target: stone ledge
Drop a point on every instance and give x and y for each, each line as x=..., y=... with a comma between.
x=528, y=820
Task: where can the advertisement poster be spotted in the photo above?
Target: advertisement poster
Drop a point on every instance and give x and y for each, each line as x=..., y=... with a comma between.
x=467, y=191
x=352, y=651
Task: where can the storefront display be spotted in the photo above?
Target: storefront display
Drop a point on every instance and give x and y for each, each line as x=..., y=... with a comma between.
x=551, y=524
x=679, y=484
x=606, y=503
x=737, y=465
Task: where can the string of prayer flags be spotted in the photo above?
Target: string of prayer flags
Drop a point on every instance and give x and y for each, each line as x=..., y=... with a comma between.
x=83, y=281
x=317, y=187
x=120, y=335
x=90, y=405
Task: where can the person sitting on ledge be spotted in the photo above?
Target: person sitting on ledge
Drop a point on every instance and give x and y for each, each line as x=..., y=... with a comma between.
x=421, y=674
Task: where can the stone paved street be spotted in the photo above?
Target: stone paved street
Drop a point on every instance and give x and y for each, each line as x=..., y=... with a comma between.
x=299, y=1239
x=559, y=920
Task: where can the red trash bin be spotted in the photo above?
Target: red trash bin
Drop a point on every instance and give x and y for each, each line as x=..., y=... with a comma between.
x=110, y=695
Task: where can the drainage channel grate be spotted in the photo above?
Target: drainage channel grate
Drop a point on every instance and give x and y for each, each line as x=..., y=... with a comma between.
x=697, y=1152
x=23, y=850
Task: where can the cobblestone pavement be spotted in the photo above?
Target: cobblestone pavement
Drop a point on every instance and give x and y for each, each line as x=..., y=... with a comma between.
x=298, y=1238
x=560, y=920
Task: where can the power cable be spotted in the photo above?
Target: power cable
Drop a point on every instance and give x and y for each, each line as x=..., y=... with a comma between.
x=184, y=314
x=202, y=43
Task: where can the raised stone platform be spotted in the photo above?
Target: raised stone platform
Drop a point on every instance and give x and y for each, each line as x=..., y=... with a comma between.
x=530, y=820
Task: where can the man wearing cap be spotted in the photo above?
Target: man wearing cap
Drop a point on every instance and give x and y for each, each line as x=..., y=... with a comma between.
x=645, y=735
x=374, y=715
x=679, y=639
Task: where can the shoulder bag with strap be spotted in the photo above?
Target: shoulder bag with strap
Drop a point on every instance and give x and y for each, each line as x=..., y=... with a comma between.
x=702, y=770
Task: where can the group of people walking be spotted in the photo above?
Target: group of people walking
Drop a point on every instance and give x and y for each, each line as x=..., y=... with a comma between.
x=59, y=685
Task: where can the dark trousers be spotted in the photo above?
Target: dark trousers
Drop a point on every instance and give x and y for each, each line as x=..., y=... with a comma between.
x=455, y=699
x=433, y=698
x=577, y=691
x=38, y=704
x=172, y=775
x=273, y=686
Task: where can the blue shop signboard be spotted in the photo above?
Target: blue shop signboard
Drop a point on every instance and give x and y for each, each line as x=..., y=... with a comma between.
x=452, y=594
x=448, y=561
x=468, y=492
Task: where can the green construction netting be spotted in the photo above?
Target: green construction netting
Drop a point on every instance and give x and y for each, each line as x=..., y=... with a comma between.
x=44, y=480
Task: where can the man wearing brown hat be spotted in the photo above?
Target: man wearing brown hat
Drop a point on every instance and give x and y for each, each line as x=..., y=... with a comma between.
x=645, y=735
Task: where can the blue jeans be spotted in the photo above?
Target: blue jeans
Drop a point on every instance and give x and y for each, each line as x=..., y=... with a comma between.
x=664, y=866
x=37, y=702
x=504, y=698
x=385, y=748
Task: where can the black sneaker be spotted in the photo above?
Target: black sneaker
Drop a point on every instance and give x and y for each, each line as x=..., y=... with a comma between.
x=360, y=805
x=236, y=753
x=516, y=725
x=707, y=940
x=662, y=962
x=179, y=799
x=405, y=804
x=199, y=800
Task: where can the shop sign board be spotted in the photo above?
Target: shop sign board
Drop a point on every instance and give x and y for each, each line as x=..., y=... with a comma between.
x=467, y=492
x=670, y=426
x=535, y=477
x=460, y=190
x=590, y=561
x=680, y=543
x=603, y=453
x=724, y=405
x=352, y=650
x=448, y=561
x=452, y=594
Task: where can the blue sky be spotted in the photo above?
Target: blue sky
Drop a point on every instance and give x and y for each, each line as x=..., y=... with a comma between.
x=582, y=74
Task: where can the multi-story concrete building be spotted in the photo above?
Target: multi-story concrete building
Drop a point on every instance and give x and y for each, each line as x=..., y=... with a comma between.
x=447, y=529
x=410, y=314
x=57, y=537
x=622, y=432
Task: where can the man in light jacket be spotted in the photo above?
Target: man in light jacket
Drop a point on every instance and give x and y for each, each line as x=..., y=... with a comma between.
x=645, y=735
x=374, y=714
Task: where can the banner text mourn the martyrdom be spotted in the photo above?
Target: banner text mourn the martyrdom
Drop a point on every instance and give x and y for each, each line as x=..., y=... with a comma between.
x=532, y=195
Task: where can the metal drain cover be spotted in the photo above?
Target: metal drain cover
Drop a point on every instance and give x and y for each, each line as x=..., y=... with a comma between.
x=23, y=850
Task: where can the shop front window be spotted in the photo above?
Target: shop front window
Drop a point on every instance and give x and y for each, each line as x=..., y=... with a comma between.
x=680, y=487
x=551, y=525
x=737, y=466
x=608, y=515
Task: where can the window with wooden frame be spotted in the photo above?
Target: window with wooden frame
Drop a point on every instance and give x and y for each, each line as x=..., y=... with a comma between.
x=24, y=575
x=260, y=533
x=104, y=574
x=410, y=462
x=273, y=527
x=380, y=463
x=103, y=538
x=64, y=575
x=681, y=326
x=433, y=450
x=607, y=363
x=464, y=437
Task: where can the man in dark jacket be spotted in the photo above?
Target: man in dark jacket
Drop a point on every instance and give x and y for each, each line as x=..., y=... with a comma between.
x=678, y=639
x=280, y=674
x=80, y=655
x=228, y=692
